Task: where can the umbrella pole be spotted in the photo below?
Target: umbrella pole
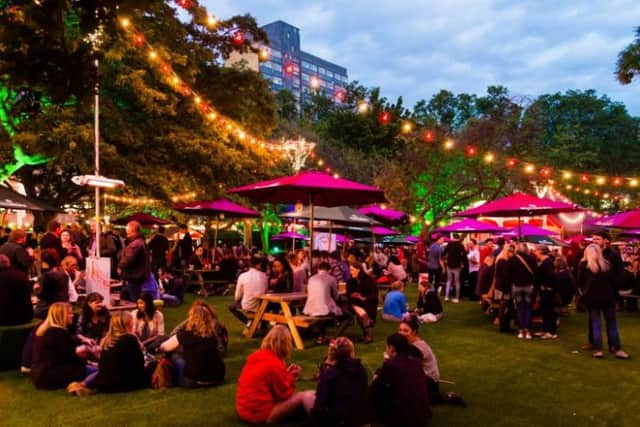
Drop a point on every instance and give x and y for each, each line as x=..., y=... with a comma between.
x=215, y=242
x=330, y=234
x=311, y=224
x=519, y=230
x=293, y=239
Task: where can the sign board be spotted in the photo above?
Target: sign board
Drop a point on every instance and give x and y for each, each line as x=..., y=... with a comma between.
x=98, y=277
x=322, y=242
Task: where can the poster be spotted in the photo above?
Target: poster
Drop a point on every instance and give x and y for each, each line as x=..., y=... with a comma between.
x=322, y=242
x=98, y=277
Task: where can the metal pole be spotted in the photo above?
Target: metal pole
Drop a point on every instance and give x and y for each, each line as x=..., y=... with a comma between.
x=96, y=132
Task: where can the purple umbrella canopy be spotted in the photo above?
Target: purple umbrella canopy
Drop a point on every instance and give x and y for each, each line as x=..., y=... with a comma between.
x=217, y=207
x=530, y=230
x=316, y=188
x=286, y=235
x=385, y=215
x=519, y=204
x=383, y=231
x=470, y=225
x=145, y=220
x=628, y=219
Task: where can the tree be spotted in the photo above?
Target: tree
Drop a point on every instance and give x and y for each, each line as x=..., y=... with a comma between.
x=628, y=66
x=152, y=136
x=287, y=106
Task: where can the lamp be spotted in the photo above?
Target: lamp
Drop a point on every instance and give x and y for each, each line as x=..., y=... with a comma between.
x=97, y=181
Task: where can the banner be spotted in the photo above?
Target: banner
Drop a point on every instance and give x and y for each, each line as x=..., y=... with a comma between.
x=98, y=277
x=322, y=242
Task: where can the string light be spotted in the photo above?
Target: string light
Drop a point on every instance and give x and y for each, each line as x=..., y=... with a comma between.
x=314, y=81
x=449, y=144
x=407, y=127
x=212, y=21
x=428, y=136
x=384, y=118
x=363, y=107
x=489, y=158
x=264, y=53
x=529, y=168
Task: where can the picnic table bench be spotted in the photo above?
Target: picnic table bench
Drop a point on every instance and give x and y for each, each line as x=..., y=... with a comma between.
x=286, y=317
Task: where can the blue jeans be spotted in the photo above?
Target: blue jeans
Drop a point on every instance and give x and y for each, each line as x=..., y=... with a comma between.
x=523, y=298
x=453, y=278
x=595, y=321
x=92, y=373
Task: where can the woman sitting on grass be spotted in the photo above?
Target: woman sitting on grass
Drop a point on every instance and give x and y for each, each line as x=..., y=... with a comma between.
x=428, y=308
x=200, y=364
x=266, y=387
x=363, y=299
x=93, y=321
x=342, y=393
x=149, y=323
x=121, y=367
x=55, y=363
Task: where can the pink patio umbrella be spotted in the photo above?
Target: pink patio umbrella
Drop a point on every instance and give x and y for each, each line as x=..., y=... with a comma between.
x=529, y=230
x=145, y=220
x=471, y=225
x=219, y=208
x=627, y=220
x=289, y=235
x=383, y=231
x=387, y=216
x=313, y=188
x=519, y=205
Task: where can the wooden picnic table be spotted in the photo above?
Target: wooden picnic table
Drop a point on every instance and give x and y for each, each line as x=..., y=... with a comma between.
x=285, y=300
x=124, y=305
x=202, y=278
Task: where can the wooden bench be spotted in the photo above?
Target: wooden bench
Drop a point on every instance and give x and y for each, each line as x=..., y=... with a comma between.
x=301, y=321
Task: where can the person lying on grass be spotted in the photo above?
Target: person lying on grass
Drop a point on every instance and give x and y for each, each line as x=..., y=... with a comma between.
x=266, y=387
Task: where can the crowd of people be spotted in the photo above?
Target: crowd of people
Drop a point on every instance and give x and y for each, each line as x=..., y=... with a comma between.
x=92, y=349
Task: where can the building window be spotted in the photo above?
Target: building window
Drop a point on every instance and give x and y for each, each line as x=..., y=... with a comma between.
x=322, y=71
x=276, y=54
x=329, y=74
x=305, y=77
x=276, y=80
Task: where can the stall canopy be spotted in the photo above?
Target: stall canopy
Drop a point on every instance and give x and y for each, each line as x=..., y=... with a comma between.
x=9, y=199
x=145, y=220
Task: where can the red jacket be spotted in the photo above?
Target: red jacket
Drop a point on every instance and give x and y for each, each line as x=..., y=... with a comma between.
x=264, y=381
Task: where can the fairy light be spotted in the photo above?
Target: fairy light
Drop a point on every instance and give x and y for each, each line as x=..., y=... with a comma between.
x=212, y=21
x=529, y=168
x=633, y=182
x=153, y=55
x=567, y=175
x=125, y=22
x=601, y=180
x=489, y=158
x=449, y=144
x=264, y=53
x=407, y=127
x=314, y=82
x=363, y=107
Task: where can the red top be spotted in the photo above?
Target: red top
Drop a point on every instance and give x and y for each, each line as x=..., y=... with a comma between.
x=264, y=381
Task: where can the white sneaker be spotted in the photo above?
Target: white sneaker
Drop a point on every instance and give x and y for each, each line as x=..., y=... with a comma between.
x=548, y=336
x=528, y=336
x=455, y=300
x=520, y=335
x=446, y=299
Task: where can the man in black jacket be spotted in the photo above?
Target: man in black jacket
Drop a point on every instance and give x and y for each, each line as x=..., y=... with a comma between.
x=545, y=283
x=15, y=295
x=52, y=238
x=455, y=258
x=134, y=265
x=21, y=258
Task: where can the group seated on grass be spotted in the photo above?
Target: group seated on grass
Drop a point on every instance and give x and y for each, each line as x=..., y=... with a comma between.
x=400, y=392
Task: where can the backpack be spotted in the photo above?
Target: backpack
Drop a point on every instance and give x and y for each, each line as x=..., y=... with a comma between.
x=162, y=375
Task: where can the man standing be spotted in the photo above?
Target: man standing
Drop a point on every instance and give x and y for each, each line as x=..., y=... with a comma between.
x=434, y=262
x=183, y=248
x=19, y=257
x=487, y=249
x=473, y=257
x=455, y=258
x=134, y=266
x=52, y=238
x=250, y=285
x=545, y=283
x=159, y=247
x=15, y=295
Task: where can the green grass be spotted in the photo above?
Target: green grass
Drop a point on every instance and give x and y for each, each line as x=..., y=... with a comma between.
x=506, y=382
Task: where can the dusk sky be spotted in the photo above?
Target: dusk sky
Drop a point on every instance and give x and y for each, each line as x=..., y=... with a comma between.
x=415, y=48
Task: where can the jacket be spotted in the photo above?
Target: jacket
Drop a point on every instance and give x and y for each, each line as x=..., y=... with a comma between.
x=55, y=363
x=517, y=273
x=322, y=294
x=597, y=289
x=341, y=396
x=121, y=367
x=15, y=298
x=264, y=381
x=454, y=254
x=134, y=261
x=365, y=285
x=18, y=256
x=399, y=393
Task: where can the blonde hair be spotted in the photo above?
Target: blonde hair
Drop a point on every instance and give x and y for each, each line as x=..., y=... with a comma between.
x=340, y=349
x=120, y=324
x=201, y=320
x=278, y=340
x=68, y=260
x=56, y=318
x=594, y=259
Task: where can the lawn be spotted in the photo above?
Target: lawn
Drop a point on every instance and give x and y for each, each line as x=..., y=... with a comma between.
x=506, y=382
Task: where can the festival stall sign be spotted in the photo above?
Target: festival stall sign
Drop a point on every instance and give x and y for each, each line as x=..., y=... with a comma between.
x=219, y=209
x=313, y=188
x=143, y=218
x=519, y=205
x=471, y=225
x=384, y=215
x=625, y=220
